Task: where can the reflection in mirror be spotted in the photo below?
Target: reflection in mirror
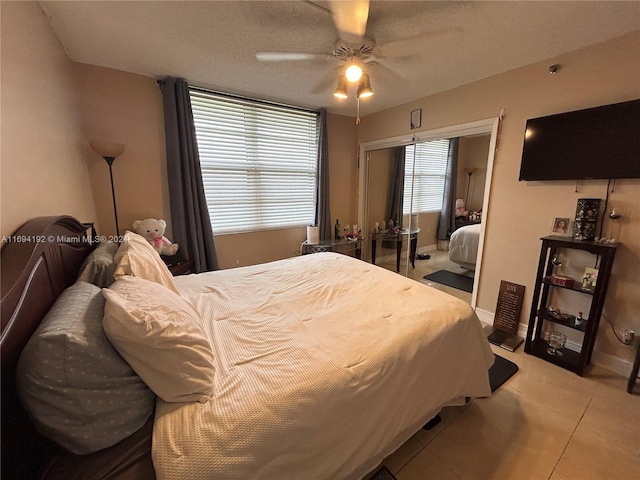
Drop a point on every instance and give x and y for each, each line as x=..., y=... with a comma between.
x=416, y=187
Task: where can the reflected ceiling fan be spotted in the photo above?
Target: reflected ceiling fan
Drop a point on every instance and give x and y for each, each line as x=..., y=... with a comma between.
x=354, y=50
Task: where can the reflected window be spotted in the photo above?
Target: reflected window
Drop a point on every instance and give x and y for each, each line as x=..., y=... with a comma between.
x=425, y=173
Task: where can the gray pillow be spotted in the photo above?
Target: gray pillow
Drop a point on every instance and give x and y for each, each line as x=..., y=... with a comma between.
x=76, y=387
x=99, y=266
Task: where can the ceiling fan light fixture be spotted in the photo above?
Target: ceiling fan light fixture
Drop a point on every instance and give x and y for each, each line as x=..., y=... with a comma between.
x=341, y=89
x=364, y=89
x=353, y=72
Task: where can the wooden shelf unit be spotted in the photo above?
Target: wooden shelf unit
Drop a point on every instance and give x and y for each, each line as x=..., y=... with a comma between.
x=535, y=343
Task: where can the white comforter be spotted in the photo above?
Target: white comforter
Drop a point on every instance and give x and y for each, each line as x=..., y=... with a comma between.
x=324, y=366
x=463, y=246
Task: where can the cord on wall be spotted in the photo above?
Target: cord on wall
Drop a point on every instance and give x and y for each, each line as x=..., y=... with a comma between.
x=628, y=334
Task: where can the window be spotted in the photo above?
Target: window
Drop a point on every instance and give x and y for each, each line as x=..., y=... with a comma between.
x=428, y=176
x=258, y=160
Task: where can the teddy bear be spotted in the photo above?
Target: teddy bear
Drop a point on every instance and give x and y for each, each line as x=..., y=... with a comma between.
x=460, y=210
x=153, y=231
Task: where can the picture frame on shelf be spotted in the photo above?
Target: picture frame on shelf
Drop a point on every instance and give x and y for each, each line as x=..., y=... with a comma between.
x=589, y=278
x=561, y=227
x=416, y=118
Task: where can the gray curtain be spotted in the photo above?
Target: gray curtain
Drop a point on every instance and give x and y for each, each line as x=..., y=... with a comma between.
x=190, y=220
x=323, y=215
x=396, y=187
x=448, y=215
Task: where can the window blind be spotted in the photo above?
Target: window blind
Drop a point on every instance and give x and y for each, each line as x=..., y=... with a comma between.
x=258, y=160
x=428, y=176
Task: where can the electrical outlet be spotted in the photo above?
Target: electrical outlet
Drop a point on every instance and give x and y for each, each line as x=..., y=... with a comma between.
x=628, y=337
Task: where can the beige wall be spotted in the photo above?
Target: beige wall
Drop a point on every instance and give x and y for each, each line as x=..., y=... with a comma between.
x=521, y=212
x=122, y=107
x=343, y=169
x=380, y=170
x=44, y=169
x=472, y=153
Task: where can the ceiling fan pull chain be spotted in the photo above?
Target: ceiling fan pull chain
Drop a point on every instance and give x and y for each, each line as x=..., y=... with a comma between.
x=357, y=110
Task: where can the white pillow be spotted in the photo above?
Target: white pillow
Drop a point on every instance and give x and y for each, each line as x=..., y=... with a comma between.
x=161, y=336
x=136, y=257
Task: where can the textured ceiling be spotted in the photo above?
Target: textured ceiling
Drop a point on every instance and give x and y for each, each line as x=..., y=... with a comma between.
x=427, y=46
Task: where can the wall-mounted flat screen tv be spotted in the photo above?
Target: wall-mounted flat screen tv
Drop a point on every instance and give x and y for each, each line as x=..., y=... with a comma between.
x=600, y=142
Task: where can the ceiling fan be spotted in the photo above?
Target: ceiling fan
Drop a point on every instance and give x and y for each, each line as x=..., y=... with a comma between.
x=354, y=50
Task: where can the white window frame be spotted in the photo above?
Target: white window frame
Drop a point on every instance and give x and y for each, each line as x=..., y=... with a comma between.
x=258, y=160
x=428, y=177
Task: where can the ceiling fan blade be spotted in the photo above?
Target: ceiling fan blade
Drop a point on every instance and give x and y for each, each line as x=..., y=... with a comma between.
x=350, y=18
x=290, y=56
x=380, y=72
x=410, y=47
x=327, y=82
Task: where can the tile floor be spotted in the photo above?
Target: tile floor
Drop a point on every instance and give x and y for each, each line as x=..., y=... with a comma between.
x=439, y=261
x=543, y=423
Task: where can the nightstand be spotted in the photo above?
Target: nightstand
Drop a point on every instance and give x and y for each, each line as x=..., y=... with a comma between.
x=181, y=268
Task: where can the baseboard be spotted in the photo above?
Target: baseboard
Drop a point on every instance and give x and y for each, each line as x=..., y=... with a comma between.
x=604, y=360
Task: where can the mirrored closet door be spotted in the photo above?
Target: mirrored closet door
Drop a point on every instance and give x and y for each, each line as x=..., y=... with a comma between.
x=403, y=195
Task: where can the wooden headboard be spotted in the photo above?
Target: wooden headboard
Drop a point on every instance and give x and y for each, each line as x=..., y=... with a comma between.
x=39, y=261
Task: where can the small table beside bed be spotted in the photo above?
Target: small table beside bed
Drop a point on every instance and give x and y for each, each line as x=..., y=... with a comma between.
x=317, y=366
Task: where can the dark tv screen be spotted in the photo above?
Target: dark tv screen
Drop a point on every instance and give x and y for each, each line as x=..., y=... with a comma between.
x=600, y=142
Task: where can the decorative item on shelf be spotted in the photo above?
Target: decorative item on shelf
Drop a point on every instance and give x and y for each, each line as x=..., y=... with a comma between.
x=584, y=227
x=614, y=216
x=556, y=261
x=577, y=321
x=556, y=340
x=558, y=314
x=589, y=278
x=337, y=234
x=109, y=151
x=562, y=280
x=560, y=227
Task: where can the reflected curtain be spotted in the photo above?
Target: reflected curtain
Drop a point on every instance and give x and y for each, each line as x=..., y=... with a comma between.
x=448, y=214
x=190, y=221
x=396, y=186
x=323, y=215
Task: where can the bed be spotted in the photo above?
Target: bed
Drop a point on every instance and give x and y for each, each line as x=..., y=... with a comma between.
x=318, y=366
x=463, y=246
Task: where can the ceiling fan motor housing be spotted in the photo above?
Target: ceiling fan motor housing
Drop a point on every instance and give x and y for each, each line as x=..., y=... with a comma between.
x=347, y=51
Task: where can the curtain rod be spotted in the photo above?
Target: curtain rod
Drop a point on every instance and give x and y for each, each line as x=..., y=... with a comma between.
x=160, y=82
x=257, y=100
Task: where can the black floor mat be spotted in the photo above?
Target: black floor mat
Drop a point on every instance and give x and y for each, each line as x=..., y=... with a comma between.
x=450, y=279
x=501, y=371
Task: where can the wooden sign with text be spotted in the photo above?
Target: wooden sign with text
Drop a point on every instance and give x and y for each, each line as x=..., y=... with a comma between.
x=508, y=309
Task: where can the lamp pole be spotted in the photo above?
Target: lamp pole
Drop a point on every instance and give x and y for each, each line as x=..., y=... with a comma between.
x=109, y=161
x=470, y=171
